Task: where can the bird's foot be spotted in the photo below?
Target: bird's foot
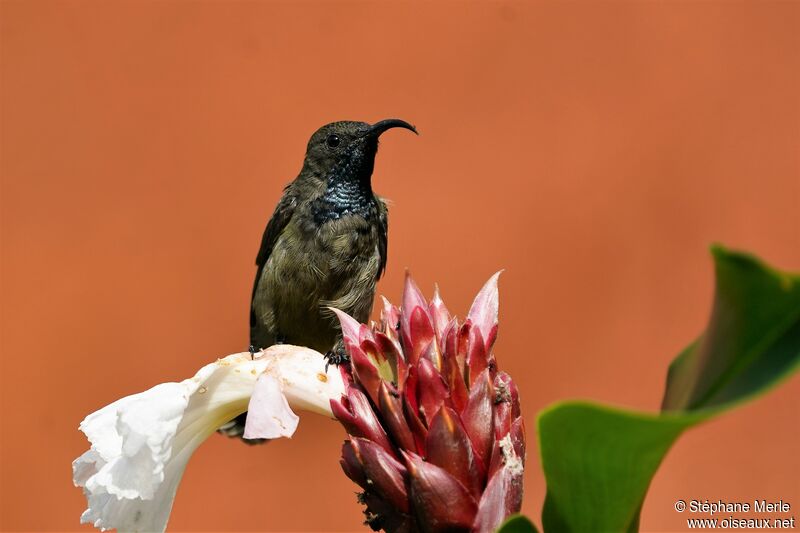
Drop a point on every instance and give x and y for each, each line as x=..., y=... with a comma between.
x=337, y=356
x=253, y=351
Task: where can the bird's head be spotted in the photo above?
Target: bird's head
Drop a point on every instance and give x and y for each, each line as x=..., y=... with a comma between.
x=345, y=151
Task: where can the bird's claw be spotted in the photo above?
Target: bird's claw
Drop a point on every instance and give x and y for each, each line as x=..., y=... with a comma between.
x=336, y=357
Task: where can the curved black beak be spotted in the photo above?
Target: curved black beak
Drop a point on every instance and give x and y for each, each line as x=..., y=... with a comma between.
x=379, y=127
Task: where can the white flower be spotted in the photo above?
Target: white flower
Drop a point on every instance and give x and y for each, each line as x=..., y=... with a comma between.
x=140, y=444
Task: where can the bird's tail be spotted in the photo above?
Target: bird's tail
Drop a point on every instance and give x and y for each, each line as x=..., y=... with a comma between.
x=235, y=429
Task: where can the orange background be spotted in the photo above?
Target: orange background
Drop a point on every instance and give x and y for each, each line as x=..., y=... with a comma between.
x=592, y=150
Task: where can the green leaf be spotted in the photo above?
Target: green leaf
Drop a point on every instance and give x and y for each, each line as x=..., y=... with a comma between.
x=599, y=461
x=517, y=524
x=752, y=340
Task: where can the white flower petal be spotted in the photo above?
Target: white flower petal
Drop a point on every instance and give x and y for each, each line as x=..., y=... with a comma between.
x=269, y=415
x=305, y=381
x=140, y=444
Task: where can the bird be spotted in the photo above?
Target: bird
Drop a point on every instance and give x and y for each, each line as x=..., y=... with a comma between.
x=324, y=247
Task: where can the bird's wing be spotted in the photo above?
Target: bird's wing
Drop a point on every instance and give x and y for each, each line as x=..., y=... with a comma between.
x=283, y=213
x=383, y=235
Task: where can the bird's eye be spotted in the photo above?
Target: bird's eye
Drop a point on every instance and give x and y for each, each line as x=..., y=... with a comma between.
x=333, y=141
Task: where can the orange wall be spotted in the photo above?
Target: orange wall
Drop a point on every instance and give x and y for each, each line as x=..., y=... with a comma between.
x=592, y=150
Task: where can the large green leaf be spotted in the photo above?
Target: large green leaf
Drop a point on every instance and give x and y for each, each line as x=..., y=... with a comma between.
x=598, y=460
x=752, y=339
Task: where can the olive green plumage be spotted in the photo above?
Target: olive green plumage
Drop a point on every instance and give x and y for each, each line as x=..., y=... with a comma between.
x=325, y=245
x=310, y=267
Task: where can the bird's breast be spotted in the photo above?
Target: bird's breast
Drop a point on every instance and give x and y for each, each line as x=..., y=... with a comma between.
x=313, y=267
x=318, y=259
x=346, y=243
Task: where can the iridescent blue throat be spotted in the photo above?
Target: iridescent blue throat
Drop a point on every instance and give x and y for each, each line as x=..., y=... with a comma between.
x=349, y=191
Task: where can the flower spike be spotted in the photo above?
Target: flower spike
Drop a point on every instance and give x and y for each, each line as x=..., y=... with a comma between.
x=483, y=313
x=437, y=406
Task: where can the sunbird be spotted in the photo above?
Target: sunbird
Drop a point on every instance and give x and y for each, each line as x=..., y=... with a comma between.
x=325, y=246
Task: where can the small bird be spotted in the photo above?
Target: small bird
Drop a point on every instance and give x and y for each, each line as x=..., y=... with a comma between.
x=325, y=246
